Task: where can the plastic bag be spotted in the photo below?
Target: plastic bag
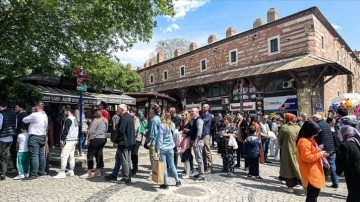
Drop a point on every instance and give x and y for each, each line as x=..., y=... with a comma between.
x=232, y=142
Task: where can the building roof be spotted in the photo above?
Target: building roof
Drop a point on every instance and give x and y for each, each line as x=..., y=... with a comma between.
x=313, y=10
x=306, y=61
x=150, y=95
x=59, y=95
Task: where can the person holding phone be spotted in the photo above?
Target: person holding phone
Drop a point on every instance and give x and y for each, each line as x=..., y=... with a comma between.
x=325, y=141
x=309, y=158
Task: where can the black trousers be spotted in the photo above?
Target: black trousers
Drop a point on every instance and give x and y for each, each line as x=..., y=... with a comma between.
x=312, y=193
x=253, y=166
x=95, y=148
x=239, y=152
x=135, y=155
x=13, y=152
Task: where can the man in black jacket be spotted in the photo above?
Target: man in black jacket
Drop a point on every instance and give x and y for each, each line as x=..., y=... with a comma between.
x=7, y=132
x=125, y=140
x=326, y=141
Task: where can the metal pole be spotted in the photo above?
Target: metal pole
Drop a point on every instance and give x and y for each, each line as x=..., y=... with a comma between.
x=241, y=91
x=81, y=136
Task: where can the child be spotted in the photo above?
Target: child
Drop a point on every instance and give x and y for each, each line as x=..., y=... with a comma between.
x=185, y=153
x=252, y=152
x=23, y=157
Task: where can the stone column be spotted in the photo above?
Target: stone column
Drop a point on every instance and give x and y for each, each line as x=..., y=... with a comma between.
x=308, y=96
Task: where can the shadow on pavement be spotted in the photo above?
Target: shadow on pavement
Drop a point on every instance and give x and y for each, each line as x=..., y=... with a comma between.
x=332, y=195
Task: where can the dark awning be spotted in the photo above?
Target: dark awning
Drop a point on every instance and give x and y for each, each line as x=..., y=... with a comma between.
x=59, y=95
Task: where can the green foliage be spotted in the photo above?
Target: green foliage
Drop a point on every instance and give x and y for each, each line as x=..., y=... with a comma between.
x=47, y=35
x=105, y=72
x=22, y=93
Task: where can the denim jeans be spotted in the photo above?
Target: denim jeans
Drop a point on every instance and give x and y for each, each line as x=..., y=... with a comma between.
x=265, y=146
x=37, y=154
x=334, y=177
x=168, y=157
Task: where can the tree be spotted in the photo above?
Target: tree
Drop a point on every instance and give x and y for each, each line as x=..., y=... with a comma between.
x=49, y=35
x=169, y=46
x=106, y=72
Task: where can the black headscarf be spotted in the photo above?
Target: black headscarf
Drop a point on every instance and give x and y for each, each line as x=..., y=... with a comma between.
x=308, y=129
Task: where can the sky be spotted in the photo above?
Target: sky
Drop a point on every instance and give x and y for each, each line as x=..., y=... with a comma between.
x=195, y=20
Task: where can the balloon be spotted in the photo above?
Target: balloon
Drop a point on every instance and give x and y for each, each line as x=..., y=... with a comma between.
x=334, y=107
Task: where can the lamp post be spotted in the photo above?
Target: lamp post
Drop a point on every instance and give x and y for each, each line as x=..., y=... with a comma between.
x=81, y=136
x=146, y=109
x=241, y=92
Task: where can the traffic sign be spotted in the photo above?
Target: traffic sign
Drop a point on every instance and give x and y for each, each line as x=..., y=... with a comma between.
x=82, y=88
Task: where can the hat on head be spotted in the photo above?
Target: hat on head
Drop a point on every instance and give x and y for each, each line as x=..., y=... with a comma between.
x=318, y=116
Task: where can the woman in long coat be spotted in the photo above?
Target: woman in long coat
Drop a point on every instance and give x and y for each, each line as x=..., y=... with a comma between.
x=348, y=161
x=289, y=168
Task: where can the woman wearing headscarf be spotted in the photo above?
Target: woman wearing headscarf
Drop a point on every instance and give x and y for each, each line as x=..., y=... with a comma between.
x=309, y=157
x=348, y=161
x=289, y=169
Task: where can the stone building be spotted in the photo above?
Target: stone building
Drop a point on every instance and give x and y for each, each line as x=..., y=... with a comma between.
x=296, y=63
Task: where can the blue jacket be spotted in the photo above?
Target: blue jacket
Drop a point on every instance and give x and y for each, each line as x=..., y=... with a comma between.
x=153, y=128
x=207, y=123
x=252, y=147
x=164, y=140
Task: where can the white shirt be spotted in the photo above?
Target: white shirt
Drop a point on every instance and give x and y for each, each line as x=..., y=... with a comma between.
x=4, y=139
x=264, y=129
x=23, y=140
x=38, y=123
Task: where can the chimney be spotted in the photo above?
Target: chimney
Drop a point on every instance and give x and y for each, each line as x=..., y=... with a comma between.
x=230, y=31
x=192, y=46
x=128, y=66
x=272, y=15
x=257, y=23
x=160, y=57
x=211, y=39
x=138, y=68
x=177, y=52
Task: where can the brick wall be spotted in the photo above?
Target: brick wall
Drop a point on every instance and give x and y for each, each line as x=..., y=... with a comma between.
x=252, y=49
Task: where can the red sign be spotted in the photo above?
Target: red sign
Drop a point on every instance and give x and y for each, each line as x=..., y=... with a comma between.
x=79, y=81
x=75, y=72
x=247, y=106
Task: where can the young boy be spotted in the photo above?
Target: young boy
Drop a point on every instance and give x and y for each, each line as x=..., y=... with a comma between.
x=252, y=152
x=23, y=157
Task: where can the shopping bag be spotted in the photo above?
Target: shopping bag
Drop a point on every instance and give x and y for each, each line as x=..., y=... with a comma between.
x=262, y=156
x=232, y=142
x=158, y=171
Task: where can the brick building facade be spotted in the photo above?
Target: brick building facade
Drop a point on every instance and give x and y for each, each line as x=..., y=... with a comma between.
x=296, y=63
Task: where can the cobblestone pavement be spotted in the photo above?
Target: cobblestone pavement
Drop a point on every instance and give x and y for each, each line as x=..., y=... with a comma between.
x=217, y=187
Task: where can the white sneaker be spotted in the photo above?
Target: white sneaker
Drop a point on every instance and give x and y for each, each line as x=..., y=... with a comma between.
x=289, y=190
x=70, y=173
x=19, y=177
x=60, y=175
x=185, y=177
x=27, y=174
x=86, y=176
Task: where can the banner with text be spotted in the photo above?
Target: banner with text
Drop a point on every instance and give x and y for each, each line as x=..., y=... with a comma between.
x=281, y=103
x=247, y=106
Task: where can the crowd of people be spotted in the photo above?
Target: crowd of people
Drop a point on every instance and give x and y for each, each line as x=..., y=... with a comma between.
x=309, y=149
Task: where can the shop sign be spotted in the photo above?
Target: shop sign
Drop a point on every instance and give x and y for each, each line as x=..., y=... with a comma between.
x=247, y=106
x=216, y=108
x=281, y=103
x=66, y=99
x=188, y=107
